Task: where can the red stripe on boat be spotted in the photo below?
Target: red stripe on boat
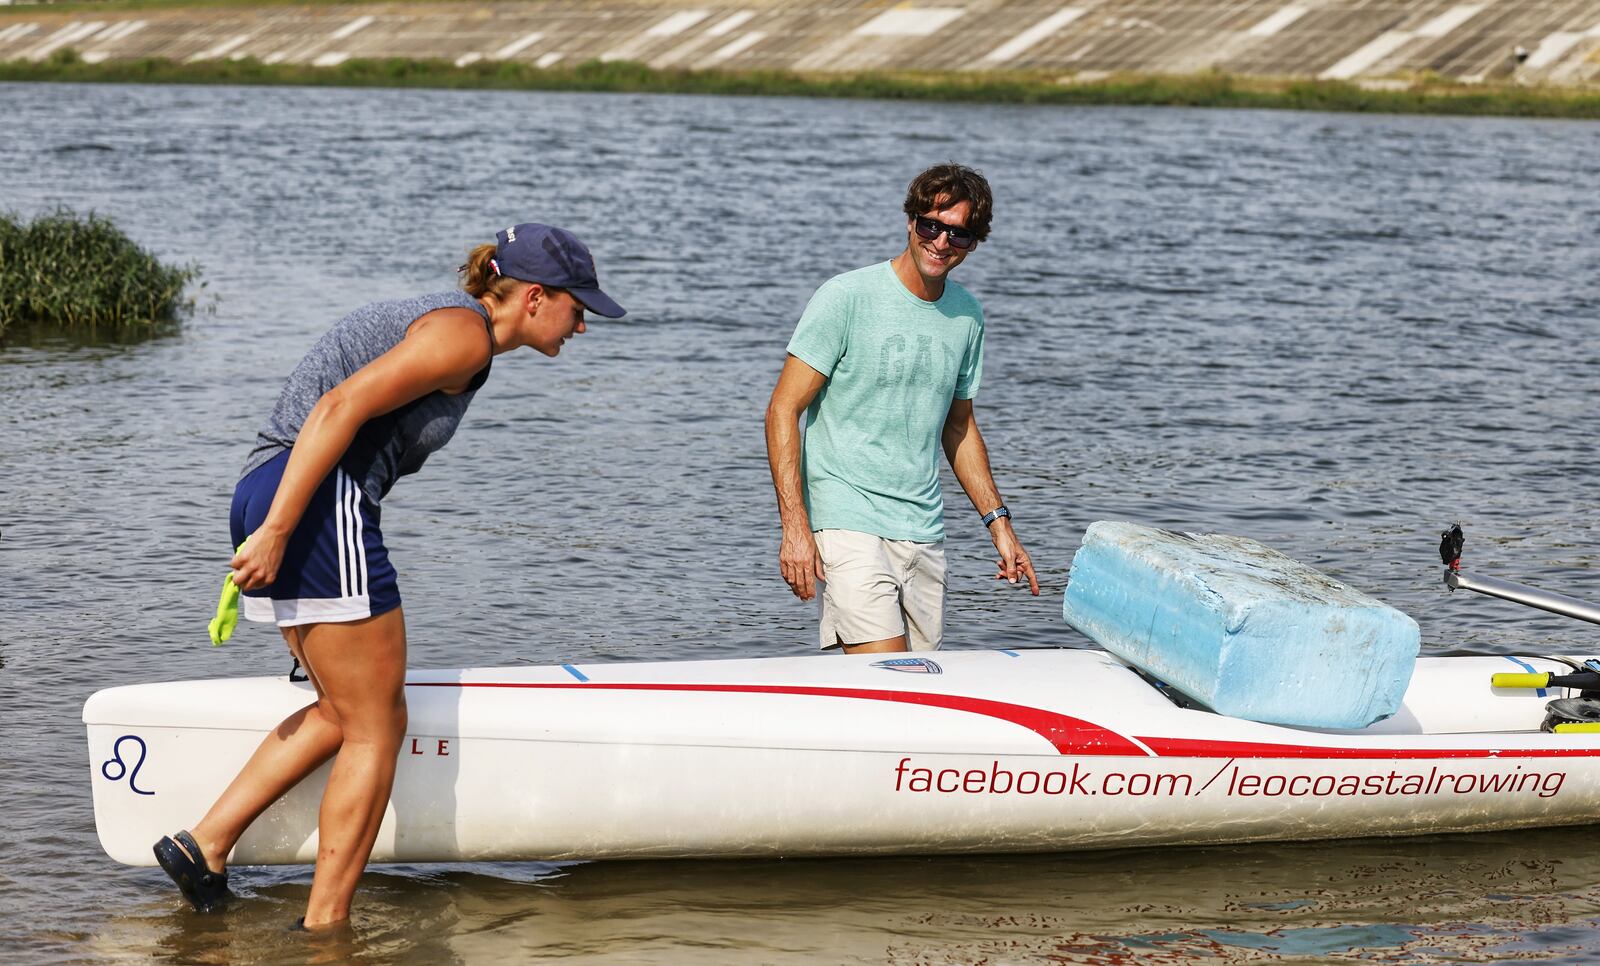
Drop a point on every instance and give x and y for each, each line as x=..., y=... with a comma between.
x=1068, y=735
x=1203, y=748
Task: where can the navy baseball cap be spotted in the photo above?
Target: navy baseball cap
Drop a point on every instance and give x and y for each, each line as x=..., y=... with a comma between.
x=553, y=256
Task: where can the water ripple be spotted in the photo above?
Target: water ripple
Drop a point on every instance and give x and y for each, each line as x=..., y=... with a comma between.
x=1333, y=334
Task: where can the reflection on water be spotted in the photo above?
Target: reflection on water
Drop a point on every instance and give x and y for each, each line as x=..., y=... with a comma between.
x=1332, y=334
x=1523, y=895
x=49, y=338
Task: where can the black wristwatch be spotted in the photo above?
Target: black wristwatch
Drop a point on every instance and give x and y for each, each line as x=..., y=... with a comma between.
x=995, y=514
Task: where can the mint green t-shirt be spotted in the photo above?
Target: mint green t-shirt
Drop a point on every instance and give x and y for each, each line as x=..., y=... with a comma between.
x=894, y=363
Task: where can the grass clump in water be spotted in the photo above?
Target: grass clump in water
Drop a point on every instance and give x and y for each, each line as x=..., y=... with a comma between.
x=82, y=273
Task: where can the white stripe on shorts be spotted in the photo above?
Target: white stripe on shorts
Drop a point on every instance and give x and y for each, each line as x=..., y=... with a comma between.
x=339, y=480
x=317, y=610
x=358, y=543
x=352, y=554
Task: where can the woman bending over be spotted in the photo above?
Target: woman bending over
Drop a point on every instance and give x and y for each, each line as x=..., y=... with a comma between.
x=384, y=388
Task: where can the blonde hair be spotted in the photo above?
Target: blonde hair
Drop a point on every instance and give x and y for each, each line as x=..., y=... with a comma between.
x=478, y=277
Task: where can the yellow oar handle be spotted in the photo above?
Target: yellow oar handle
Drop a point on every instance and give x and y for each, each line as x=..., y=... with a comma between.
x=1521, y=680
x=1577, y=727
x=222, y=625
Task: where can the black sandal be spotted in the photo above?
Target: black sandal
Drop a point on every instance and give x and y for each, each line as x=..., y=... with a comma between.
x=207, y=891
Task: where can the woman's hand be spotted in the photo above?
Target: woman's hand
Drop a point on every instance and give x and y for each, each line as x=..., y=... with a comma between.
x=257, y=562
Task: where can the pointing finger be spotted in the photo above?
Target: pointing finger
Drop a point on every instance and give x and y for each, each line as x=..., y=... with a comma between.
x=1033, y=578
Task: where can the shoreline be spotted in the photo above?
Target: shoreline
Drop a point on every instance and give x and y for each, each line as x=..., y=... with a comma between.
x=1428, y=95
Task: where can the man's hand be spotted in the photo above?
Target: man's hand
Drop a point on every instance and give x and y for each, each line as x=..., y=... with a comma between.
x=800, y=562
x=1014, y=561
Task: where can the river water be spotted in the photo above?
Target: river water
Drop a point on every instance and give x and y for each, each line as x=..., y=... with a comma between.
x=1334, y=334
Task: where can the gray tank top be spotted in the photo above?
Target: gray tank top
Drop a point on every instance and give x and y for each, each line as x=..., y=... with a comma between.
x=389, y=446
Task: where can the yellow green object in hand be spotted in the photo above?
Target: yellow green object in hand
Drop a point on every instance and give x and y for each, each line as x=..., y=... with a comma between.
x=221, y=626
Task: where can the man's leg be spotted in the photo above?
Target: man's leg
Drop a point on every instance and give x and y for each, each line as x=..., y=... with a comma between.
x=875, y=647
x=860, y=598
x=922, y=591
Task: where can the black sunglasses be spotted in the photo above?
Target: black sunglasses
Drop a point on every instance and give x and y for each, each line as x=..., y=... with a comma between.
x=962, y=238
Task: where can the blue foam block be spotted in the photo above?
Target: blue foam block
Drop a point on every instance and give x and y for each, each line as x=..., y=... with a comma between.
x=1241, y=627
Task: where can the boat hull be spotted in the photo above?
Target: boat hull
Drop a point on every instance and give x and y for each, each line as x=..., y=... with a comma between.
x=973, y=751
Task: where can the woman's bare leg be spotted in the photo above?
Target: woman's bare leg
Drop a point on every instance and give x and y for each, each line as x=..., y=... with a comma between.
x=290, y=752
x=362, y=669
x=291, y=637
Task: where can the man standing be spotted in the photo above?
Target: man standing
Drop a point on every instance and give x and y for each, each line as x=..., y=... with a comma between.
x=885, y=362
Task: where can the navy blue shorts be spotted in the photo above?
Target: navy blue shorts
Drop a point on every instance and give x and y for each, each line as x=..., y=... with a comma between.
x=335, y=569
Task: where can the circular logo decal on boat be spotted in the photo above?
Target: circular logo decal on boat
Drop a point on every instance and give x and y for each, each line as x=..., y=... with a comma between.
x=914, y=665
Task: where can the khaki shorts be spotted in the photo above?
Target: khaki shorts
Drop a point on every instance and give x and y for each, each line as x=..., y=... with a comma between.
x=876, y=588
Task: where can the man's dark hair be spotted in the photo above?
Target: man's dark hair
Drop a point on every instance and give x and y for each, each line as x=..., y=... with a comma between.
x=944, y=185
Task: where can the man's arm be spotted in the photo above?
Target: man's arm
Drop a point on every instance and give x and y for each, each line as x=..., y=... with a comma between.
x=797, y=385
x=969, y=458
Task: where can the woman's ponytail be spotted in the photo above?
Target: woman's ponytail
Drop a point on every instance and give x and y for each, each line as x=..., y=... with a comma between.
x=480, y=277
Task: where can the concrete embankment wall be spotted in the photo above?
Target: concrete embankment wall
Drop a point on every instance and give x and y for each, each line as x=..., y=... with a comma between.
x=1535, y=41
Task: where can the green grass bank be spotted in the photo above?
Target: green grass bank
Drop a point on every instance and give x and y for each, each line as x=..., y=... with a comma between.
x=81, y=274
x=1423, y=95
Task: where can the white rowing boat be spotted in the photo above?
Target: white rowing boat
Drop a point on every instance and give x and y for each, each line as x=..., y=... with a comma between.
x=961, y=751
